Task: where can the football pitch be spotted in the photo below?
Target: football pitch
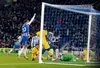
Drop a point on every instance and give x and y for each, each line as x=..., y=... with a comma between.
x=12, y=61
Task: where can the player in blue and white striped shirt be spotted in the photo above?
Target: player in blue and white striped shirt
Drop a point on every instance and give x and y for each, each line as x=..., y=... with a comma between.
x=17, y=45
x=35, y=40
x=25, y=34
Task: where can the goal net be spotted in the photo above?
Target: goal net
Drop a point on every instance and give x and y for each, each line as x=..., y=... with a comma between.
x=73, y=32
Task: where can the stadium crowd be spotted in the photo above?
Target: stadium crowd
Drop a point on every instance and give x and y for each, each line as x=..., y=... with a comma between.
x=12, y=16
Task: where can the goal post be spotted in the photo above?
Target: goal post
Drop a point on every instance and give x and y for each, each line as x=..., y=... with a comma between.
x=51, y=14
x=41, y=29
x=89, y=36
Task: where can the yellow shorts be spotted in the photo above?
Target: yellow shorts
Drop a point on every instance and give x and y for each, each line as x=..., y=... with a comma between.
x=34, y=56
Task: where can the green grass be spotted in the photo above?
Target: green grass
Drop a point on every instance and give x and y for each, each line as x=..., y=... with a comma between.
x=12, y=61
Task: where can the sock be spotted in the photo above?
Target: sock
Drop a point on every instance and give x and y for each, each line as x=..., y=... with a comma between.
x=44, y=58
x=24, y=51
x=20, y=51
x=10, y=51
x=57, y=53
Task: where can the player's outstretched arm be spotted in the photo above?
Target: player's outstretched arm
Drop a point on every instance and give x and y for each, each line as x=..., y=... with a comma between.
x=32, y=19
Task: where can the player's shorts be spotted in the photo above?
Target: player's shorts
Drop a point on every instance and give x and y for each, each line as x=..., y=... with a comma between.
x=46, y=45
x=34, y=56
x=51, y=46
x=51, y=52
x=16, y=46
x=24, y=40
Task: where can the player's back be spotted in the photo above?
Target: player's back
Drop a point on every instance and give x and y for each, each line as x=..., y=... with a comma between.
x=25, y=29
x=43, y=35
x=35, y=40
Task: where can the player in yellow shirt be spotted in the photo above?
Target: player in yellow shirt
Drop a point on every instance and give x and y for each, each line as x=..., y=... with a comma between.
x=84, y=54
x=44, y=42
x=35, y=53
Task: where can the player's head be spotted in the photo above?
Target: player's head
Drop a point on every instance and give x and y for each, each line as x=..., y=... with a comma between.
x=45, y=28
x=19, y=36
x=34, y=34
x=26, y=21
x=37, y=45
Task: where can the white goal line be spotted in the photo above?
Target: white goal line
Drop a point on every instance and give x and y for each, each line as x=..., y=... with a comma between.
x=72, y=64
x=51, y=63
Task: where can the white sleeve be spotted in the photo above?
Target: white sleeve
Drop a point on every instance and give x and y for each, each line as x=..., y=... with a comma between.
x=38, y=38
x=32, y=19
x=32, y=42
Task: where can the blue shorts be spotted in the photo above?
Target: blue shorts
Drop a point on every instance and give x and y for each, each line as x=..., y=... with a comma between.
x=16, y=46
x=24, y=40
x=51, y=46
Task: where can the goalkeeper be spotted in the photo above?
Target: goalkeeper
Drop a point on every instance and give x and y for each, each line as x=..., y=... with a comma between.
x=68, y=56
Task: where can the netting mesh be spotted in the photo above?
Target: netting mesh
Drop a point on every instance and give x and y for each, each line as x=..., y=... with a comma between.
x=71, y=26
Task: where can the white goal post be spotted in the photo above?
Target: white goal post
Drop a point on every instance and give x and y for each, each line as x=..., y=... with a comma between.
x=66, y=7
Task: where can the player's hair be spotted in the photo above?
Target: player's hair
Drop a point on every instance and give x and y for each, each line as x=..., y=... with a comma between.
x=37, y=44
x=38, y=29
x=34, y=33
x=45, y=28
x=25, y=20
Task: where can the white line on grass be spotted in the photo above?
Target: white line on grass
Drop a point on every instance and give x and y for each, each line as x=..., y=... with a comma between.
x=64, y=64
x=73, y=64
x=49, y=63
x=17, y=63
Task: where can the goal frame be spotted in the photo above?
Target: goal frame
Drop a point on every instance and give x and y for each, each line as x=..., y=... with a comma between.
x=57, y=6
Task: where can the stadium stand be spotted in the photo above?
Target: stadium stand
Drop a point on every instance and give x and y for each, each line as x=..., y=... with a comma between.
x=12, y=16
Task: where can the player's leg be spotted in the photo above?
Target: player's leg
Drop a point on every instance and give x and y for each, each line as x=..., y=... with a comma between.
x=24, y=51
x=33, y=57
x=24, y=48
x=20, y=52
x=8, y=53
x=46, y=45
x=19, y=49
x=50, y=50
x=35, y=53
x=56, y=51
x=50, y=53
